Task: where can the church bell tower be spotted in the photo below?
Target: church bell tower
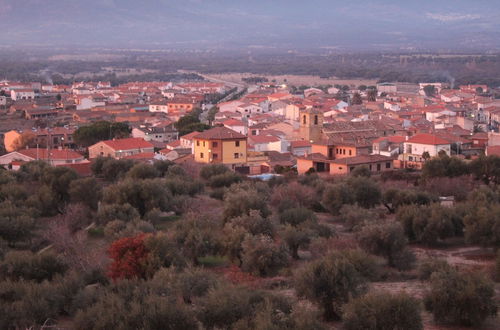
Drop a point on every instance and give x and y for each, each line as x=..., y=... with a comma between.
x=311, y=125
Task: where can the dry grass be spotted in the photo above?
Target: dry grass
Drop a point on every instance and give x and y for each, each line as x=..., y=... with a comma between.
x=294, y=79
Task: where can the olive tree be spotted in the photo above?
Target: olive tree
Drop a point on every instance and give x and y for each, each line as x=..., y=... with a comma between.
x=380, y=311
x=330, y=282
x=387, y=240
x=460, y=298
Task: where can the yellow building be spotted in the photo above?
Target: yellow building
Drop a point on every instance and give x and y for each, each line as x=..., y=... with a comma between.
x=220, y=145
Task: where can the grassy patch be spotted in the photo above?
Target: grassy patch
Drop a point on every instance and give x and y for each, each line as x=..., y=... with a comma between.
x=96, y=232
x=165, y=223
x=213, y=261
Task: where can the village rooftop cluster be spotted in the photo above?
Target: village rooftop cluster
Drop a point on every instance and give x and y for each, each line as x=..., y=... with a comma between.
x=257, y=128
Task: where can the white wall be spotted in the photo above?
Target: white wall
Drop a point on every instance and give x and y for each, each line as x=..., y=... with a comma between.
x=433, y=150
x=158, y=108
x=240, y=129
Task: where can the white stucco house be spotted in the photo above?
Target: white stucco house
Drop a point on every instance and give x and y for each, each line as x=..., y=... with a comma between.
x=417, y=145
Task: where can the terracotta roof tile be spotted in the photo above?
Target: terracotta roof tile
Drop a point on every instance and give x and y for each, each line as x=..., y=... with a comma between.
x=220, y=133
x=233, y=122
x=425, y=138
x=393, y=139
x=190, y=136
x=128, y=144
x=54, y=154
x=300, y=144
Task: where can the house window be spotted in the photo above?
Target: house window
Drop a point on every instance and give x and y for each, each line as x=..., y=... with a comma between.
x=304, y=120
x=236, y=155
x=315, y=119
x=203, y=143
x=215, y=156
x=214, y=144
x=370, y=167
x=198, y=143
x=201, y=154
x=237, y=143
x=343, y=151
x=378, y=167
x=350, y=152
x=388, y=165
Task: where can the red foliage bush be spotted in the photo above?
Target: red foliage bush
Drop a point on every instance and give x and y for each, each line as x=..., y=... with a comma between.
x=130, y=257
x=235, y=275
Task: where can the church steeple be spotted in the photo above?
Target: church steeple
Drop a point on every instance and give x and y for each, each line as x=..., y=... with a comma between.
x=311, y=125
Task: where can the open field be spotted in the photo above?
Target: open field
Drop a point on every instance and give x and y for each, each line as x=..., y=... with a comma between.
x=293, y=79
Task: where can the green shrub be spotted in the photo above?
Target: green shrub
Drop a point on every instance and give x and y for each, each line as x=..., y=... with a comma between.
x=18, y=265
x=262, y=256
x=296, y=216
x=330, y=282
x=460, y=298
x=387, y=240
x=211, y=170
x=430, y=266
x=381, y=311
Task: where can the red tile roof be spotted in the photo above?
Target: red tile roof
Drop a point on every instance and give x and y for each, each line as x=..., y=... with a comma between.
x=279, y=95
x=128, y=144
x=55, y=154
x=393, y=139
x=425, y=138
x=165, y=151
x=300, y=144
x=233, y=122
x=174, y=144
x=219, y=133
x=190, y=136
x=480, y=135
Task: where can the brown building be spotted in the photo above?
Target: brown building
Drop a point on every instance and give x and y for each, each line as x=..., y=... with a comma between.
x=120, y=148
x=321, y=163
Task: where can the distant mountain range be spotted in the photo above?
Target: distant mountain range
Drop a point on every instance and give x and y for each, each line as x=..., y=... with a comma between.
x=363, y=24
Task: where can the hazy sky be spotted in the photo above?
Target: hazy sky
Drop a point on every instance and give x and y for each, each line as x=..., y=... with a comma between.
x=348, y=23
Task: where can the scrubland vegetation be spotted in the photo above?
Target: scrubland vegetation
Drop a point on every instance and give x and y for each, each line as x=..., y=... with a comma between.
x=164, y=246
